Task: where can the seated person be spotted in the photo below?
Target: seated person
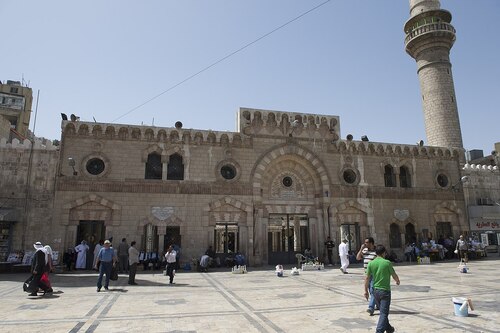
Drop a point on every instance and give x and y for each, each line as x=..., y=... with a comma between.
x=410, y=252
x=239, y=259
x=308, y=254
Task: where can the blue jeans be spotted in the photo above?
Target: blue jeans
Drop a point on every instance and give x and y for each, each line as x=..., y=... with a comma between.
x=383, y=299
x=104, y=268
x=371, y=301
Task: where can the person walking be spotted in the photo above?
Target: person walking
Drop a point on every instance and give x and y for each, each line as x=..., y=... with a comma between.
x=105, y=261
x=367, y=254
x=123, y=256
x=37, y=269
x=133, y=261
x=462, y=249
x=49, y=267
x=381, y=270
x=171, y=263
x=81, y=255
x=329, y=244
x=344, y=256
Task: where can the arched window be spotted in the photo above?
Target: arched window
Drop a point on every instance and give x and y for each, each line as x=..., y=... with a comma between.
x=389, y=176
x=410, y=235
x=175, y=169
x=404, y=177
x=154, y=167
x=394, y=236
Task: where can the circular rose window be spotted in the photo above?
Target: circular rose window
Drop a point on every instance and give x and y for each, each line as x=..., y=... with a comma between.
x=442, y=180
x=95, y=166
x=287, y=181
x=349, y=176
x=228, y=172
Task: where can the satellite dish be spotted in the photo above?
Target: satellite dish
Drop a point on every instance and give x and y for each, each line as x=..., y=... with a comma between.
x=72, y=117
x=64, y=116
x=349, y=137
x=178, y=124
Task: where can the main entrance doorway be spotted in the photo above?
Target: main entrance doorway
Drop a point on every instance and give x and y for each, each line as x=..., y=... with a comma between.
x=91, y=232
x=287, y=235
x=172, y=237
x=351, y=233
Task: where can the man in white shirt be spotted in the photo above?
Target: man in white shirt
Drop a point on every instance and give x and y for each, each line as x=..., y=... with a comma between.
x=133, y=261
x=344, y=256
x=170, y=258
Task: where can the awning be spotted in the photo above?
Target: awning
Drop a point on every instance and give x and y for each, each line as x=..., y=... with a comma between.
x=8, y=214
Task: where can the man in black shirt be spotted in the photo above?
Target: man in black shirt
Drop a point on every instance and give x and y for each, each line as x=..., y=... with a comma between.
x=329, y=244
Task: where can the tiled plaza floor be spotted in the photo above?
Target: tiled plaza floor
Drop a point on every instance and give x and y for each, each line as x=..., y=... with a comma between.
x=218, y=301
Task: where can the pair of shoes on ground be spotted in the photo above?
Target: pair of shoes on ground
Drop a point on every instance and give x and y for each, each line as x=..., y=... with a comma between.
x=33, y=294
x=99, y=289
x=132, y=283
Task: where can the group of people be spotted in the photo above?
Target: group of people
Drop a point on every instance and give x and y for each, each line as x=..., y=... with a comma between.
x=106, y=260
x=41, y=266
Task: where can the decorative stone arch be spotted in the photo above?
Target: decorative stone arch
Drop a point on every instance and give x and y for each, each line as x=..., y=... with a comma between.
x=92, y=207
x=172, y=220
x=226, y=209
x=355, y=212
x=301, y=155
x=448, y=211
x=402, y=224
x=152, y=149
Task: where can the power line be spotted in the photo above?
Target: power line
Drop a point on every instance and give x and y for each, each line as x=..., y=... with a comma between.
x=221, y=60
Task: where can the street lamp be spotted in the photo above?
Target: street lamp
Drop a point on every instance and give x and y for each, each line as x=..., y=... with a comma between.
x=462, y=180
x=72, y=163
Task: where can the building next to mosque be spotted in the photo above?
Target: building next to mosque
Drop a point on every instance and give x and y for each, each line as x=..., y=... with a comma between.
x=281, y=183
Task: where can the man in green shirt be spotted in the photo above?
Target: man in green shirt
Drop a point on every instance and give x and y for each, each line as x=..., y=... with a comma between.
x=381, y=271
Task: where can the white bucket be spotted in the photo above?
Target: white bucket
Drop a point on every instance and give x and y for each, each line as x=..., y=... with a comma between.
x=461, y=306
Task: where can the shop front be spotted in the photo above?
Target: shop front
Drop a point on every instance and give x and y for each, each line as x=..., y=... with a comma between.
x=485, y=226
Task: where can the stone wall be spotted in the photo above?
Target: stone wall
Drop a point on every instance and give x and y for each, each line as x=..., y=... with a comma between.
x=27, y=185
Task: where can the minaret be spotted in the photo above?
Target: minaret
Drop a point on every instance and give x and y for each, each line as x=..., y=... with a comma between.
x=429, y=38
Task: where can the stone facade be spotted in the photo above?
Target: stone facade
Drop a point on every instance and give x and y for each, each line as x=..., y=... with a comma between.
x=283, y=167
x=27, y=184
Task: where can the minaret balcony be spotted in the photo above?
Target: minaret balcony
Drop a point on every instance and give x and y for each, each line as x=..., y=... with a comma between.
x=442, y=31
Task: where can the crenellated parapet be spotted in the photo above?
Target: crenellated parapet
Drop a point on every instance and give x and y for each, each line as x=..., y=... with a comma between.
x=393, y=150
x=480, y=168
x=26, y=144
x=153, y=134
x=256, y=122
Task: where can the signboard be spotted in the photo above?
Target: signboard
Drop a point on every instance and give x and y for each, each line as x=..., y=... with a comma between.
x=481, y=224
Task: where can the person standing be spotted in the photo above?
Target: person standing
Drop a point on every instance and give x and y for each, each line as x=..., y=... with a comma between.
x=37, y=269
x=123, y=256
x=105, y=260
x=344, y=256
x=49, y=267
x=381, y=270
x=329, y=244
x=97, y=248
x=133, y=261
x=171, y=263
x=367, y=253
x=81, y=258
x=462, y=248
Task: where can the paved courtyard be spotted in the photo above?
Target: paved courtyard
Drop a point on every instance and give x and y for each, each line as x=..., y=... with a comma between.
x=218, y=301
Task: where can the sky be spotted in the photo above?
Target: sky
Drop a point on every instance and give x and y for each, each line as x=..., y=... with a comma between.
x=162, y=61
